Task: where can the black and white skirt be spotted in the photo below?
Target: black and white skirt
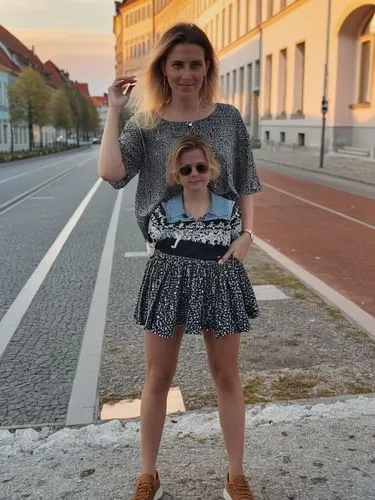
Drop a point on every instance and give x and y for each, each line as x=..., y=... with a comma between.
x=200, y=294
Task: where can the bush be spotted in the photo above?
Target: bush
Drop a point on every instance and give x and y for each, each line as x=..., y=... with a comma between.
x=22, y=155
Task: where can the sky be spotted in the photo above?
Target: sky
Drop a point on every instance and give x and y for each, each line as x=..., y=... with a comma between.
x=75, y=34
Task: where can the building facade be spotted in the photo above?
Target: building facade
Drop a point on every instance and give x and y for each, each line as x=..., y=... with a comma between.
x=278, y=58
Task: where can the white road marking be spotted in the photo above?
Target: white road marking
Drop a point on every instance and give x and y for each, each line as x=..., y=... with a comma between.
x=23, y=174
x=83, y=399
x=135, y=254
x=43, y=185
x=17, y=310
x=322, y=207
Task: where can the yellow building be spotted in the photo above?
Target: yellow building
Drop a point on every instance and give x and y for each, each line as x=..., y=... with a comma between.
x=273, y=56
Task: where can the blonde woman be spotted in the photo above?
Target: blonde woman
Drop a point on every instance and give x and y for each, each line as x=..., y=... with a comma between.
x=181, y=84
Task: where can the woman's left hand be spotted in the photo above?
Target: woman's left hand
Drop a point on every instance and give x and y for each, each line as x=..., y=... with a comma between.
x=238, y=248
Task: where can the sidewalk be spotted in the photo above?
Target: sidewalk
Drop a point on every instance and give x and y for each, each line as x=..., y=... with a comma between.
x=359, y=169
x=309, y=385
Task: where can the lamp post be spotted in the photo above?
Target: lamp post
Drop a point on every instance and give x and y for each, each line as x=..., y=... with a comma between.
x=325, y=88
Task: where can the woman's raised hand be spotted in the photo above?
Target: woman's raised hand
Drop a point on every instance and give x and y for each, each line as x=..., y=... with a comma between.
x=120, y=90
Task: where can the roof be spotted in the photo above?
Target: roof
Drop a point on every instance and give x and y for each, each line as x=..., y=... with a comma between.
x=100, y=100
x=57, y=76
x=84, y=89
x=24, y=56
x=6, y=62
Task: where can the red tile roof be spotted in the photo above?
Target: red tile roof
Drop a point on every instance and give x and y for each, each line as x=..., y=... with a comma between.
x=7, y=63
x=101, y=100
x=84, y=89
x=24, y=56
x=57, y=76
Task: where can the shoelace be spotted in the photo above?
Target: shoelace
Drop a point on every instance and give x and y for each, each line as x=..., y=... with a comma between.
x=143, y=491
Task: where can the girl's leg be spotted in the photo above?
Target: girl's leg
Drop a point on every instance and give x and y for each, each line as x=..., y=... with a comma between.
x=161, y=358
x=223, y=362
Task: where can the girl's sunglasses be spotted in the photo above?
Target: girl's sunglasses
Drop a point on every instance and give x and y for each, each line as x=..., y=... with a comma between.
x=201, y=168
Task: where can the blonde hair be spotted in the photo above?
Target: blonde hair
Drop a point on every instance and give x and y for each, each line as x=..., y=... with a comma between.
x=190, y=143
x=157, y=92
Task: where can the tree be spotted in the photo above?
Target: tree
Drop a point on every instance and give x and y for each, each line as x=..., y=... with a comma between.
x=74, y=95
x=61, y=113
x=28, y=97
x=93, y=119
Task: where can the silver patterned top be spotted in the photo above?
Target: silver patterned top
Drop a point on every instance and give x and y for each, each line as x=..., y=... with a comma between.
x=145, y=152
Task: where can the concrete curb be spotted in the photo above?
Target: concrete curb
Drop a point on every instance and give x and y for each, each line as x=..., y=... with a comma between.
x=320, y=171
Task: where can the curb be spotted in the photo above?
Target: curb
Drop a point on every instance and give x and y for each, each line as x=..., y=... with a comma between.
x=320, y=171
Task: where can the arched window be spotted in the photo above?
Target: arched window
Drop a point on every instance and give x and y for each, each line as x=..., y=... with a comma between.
x=366, y=60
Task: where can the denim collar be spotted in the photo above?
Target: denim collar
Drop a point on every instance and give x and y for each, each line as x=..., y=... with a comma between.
x=220, y=208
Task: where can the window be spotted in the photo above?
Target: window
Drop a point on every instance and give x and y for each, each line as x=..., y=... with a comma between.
x=282, y=81
x=223, y=29
x=222, y=84
x=5, y=133
x=241, y=89
x=230, y=19
x=270, y=6
x=247, y=16
x=227, y=86
x=217, y=31
x=249, y=92
x=234, y=87
x=282, y=137
x=238, y=19
x=257, y=74
x=267, y=135
x=258, y=15
x=299, y=78
x=268, y=85
x=366, y=56
x=301, y=139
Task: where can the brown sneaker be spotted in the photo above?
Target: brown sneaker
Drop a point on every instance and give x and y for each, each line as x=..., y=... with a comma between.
x=237, y=489
x=148, y=488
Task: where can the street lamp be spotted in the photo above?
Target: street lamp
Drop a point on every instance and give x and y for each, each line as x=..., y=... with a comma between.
x=324, y=107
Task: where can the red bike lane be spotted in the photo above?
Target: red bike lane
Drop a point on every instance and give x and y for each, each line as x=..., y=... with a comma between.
x=338, y=250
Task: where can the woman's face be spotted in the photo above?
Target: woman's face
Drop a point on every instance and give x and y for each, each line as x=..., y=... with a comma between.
x=195, y=166
x=185, y=69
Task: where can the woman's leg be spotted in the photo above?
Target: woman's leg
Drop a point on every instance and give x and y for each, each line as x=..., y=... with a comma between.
x=161, y=358
x=223, y=362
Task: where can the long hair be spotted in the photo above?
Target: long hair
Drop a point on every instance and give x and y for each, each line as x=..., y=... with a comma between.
x=190, y=143
x=157, y=92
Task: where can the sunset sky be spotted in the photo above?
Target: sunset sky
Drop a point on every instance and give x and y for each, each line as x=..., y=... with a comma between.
x=75, y=34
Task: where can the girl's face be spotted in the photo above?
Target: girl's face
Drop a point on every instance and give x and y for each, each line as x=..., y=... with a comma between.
x=185, y=69
x=196, y=169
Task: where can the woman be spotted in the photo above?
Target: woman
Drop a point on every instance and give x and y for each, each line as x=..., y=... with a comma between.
x=181, y=83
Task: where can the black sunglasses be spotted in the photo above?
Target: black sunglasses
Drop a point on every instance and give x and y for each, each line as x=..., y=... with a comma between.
x=201, y=168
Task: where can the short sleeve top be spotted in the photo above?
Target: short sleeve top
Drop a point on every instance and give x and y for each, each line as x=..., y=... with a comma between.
x=145, y=152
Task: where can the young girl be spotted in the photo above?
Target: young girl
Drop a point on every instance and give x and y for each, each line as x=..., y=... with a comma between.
x=188, y=287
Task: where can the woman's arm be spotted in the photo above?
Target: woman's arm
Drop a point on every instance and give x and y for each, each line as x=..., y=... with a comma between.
x=111, y=166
